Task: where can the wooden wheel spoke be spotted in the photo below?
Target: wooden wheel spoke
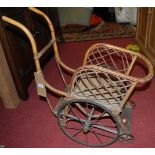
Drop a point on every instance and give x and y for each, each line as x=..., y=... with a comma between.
x=72, y=128
x=103, y=135
x=108, y=126
x=105, y=128
x=96, y=135
x=77, y=132
x=76, y=116
x=86, y=138
x=91, y=114
x=87, y=109
x=97, y=119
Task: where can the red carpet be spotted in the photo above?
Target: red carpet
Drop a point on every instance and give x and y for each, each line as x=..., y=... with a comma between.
x=33, y=125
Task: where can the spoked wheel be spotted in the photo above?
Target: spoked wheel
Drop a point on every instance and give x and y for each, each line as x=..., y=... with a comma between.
x=126, y=138
x=85, y=128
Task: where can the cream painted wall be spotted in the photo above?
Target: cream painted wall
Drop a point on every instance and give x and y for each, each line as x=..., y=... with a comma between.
x=133, y=15
x=74, y=15
x=126, y=14
x=81, y=15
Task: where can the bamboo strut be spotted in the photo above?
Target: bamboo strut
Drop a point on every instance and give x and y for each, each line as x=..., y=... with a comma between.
x=50, y=43
x=131, y=65
x=128, y=94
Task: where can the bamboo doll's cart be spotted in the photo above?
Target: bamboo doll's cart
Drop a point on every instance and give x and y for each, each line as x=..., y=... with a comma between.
x=94, y=109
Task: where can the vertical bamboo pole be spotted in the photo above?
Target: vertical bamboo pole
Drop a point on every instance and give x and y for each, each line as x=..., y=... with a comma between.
x=131, y=65
x=128, y=94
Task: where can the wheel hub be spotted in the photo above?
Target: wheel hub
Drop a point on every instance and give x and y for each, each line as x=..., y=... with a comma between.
x=86, y=126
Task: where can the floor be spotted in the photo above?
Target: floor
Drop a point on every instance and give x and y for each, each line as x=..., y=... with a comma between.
x=33, y=125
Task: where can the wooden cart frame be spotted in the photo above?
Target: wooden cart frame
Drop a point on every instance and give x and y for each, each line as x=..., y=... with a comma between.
x=98, y=92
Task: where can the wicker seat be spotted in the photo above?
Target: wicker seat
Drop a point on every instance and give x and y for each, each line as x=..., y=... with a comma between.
x=90, y=82
x=106, y=75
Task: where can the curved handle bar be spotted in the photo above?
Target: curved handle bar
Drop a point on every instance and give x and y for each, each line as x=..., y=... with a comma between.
x=29, y=35
x=64, y=66
x=35, y=52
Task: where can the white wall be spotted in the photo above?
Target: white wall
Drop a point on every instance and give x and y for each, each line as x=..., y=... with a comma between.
x=133, y=15
x=74, y=15
x=81, y=15
x=126, y=14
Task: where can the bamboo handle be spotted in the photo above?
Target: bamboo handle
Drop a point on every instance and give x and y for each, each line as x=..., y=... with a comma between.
x=35, y=52
x=29, y=35
x=64, y=66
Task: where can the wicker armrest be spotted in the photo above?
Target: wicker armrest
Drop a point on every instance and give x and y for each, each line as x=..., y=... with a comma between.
x=117, y=61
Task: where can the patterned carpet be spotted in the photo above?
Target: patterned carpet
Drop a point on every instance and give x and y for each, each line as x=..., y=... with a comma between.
x=108, y=30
